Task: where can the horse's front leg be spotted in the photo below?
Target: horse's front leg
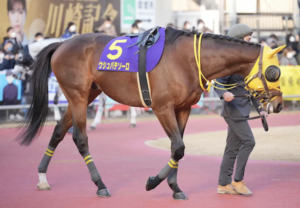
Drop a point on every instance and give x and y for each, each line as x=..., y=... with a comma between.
x=182, y=118
x=167, y=117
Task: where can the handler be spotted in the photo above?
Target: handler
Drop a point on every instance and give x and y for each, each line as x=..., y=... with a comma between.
x=240, y=141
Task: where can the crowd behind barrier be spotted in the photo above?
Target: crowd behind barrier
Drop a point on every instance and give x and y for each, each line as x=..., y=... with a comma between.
x=16, y=58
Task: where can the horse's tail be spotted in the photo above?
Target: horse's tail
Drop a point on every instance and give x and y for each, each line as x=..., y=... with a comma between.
x=38, y=110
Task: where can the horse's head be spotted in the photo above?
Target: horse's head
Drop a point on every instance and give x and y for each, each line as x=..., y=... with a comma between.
x=264, y=80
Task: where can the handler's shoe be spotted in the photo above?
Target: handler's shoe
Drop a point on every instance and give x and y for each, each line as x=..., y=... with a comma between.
x=241, y=188
x=226, y=190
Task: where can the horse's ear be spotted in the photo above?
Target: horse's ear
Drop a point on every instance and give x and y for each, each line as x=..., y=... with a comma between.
x=275, y=51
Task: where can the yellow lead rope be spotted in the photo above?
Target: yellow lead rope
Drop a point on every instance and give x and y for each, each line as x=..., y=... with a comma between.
x=197, y=57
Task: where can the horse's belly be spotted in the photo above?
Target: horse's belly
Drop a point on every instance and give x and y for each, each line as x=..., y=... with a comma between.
x=120, y=86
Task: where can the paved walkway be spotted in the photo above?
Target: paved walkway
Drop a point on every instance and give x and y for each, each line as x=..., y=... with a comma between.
x=125, y=162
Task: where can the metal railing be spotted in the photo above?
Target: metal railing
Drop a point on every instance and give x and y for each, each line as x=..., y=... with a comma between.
x=205, y=99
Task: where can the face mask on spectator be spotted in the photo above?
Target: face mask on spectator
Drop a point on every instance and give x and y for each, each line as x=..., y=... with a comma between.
x=38, y=40
x=201, y=26
x=135, y=31
x=13, y=35
x=188, y=26
x=290, y=55
x=10, y=48
x=108, y=25
x=10, y=79
x=72, y=28
x=140, y=25
x=292, y=39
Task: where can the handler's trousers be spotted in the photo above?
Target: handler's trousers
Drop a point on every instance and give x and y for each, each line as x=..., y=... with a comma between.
x=240, y=143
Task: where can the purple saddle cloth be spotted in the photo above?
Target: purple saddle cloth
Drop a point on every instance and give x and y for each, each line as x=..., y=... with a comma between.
x=117, y=56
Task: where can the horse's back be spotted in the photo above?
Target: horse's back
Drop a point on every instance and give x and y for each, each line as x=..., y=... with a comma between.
x=78, y=56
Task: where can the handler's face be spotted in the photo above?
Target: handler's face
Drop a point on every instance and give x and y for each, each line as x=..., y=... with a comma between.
x=17, y=17
x=247, y=38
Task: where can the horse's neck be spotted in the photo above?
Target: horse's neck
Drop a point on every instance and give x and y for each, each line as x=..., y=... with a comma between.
x=220, y=58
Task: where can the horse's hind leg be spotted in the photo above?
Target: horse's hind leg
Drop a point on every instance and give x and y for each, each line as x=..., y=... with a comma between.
x=167, y=118
x=182, y=118
x=58, y=135
x=79, y=110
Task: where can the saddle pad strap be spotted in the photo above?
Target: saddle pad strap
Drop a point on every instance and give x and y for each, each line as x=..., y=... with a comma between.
x=142, y=73
x=143, y=77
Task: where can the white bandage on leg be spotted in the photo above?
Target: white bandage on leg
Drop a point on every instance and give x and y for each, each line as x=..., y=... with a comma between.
x=43, y=184
x=133, y=115
x=57, y=115
x=98, y=117
x=42, y=178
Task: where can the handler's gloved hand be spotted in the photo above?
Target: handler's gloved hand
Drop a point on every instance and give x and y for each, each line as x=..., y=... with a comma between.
x=263, y=113
x=228, y=96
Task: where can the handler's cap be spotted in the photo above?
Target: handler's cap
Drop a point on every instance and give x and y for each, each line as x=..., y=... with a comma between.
x=239, y=31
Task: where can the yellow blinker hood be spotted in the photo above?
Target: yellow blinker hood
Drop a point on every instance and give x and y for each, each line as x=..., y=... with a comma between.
x=269, y=59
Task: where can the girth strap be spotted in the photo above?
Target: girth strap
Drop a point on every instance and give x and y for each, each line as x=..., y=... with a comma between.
x=143, y=82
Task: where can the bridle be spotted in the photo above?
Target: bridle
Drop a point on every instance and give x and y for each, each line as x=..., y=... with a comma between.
x=265, y=96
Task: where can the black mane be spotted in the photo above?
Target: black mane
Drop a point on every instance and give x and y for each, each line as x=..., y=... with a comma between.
x=172, y=34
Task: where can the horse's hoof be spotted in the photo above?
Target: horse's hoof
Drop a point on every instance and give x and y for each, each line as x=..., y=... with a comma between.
x=103, y=193
x=43, y=186
x=152, y=182
x=180, y=196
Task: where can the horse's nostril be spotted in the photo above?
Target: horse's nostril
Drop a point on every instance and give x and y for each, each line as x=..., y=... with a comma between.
x=279, y=107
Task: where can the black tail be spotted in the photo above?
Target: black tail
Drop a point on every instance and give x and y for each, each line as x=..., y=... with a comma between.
x=38, y=110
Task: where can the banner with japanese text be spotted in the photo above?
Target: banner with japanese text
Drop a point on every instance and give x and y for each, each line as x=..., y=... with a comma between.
x=290, y=81
x=51, y=17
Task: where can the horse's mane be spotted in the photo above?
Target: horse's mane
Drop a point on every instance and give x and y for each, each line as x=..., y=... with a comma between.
x=172, y=35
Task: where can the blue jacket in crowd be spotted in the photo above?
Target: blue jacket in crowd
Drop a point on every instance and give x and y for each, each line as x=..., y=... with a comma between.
x=7, y=63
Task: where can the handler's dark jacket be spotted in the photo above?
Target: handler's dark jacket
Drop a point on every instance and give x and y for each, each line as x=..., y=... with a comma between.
x=241, y=106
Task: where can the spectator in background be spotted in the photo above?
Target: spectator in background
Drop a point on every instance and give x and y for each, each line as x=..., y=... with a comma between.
x=1, y=56
x=108, y=27
x=291, y=41
x=263, y=42
x=17, y=16
x=38, y=37
x=70, y=31
x=11, y=36
x=288, y=57
x=201, y=27
x=187, y=26
x=9, y=58
x=10, y=96
x=170, y=25
x=272, y=40
x=134, y=29
x=139, y=25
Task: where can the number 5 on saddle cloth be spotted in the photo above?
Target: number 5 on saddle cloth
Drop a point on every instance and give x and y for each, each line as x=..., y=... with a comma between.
x=138, y=53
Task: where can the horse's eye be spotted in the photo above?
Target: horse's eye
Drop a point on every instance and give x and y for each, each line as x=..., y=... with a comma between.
x=272, y=73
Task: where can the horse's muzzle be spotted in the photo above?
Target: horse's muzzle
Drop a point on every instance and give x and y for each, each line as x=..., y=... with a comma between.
x=279, y=108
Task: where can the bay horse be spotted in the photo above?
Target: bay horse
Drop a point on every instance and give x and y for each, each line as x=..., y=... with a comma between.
x=174, y=89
